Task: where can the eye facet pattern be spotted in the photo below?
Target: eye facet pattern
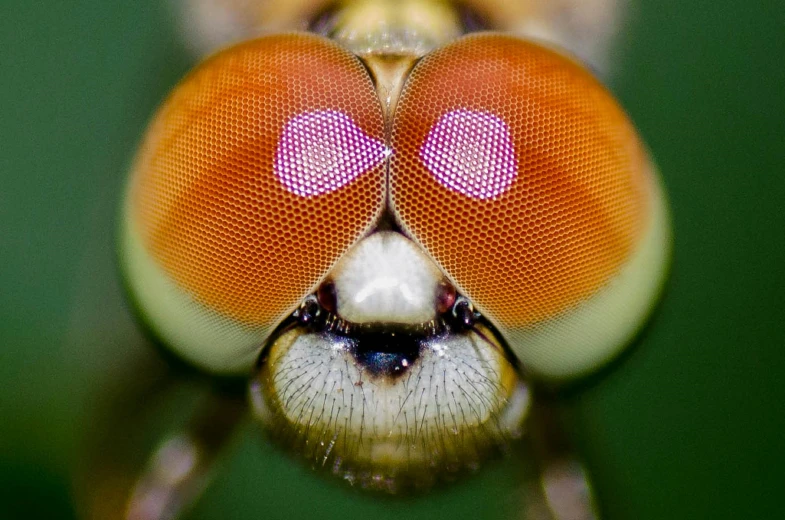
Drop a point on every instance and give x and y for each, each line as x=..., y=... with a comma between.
x=528, y=185
x=225, y=227
x=471, y=153
x=322, y=151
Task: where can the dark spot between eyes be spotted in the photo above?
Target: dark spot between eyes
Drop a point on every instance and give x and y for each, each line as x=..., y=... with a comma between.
x=387, y=353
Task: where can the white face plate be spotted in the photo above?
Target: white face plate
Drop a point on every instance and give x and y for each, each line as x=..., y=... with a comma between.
x=386, y=278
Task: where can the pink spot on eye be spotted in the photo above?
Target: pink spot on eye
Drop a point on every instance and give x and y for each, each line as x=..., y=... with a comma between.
x=322, y=151
x=471, y=153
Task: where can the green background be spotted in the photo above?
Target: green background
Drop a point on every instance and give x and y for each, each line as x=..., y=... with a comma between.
x=687, y=425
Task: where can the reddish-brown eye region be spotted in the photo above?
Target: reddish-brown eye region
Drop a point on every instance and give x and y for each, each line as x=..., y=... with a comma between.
x=507, y=163
x=519, y=173
x=259, y=171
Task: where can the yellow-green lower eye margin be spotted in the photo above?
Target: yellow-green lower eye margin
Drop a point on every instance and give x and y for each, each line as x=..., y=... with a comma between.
x=201, y=336
x=587, y=336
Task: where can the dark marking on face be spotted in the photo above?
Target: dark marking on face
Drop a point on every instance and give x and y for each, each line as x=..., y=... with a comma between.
x=387, y=353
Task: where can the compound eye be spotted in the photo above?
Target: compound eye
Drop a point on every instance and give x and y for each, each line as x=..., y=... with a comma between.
x=261, y=169
x=526, y=182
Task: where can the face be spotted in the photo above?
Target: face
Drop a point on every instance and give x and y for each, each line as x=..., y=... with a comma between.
x=393, y=276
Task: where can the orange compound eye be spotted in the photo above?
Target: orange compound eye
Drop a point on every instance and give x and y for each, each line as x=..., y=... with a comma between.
x=261, y=169
x=525, y=181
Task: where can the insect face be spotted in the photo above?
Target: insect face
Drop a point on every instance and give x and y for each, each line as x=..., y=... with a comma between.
x=398, y=266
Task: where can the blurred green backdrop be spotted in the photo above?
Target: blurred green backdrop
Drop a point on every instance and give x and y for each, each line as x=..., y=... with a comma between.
x=688, y=425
